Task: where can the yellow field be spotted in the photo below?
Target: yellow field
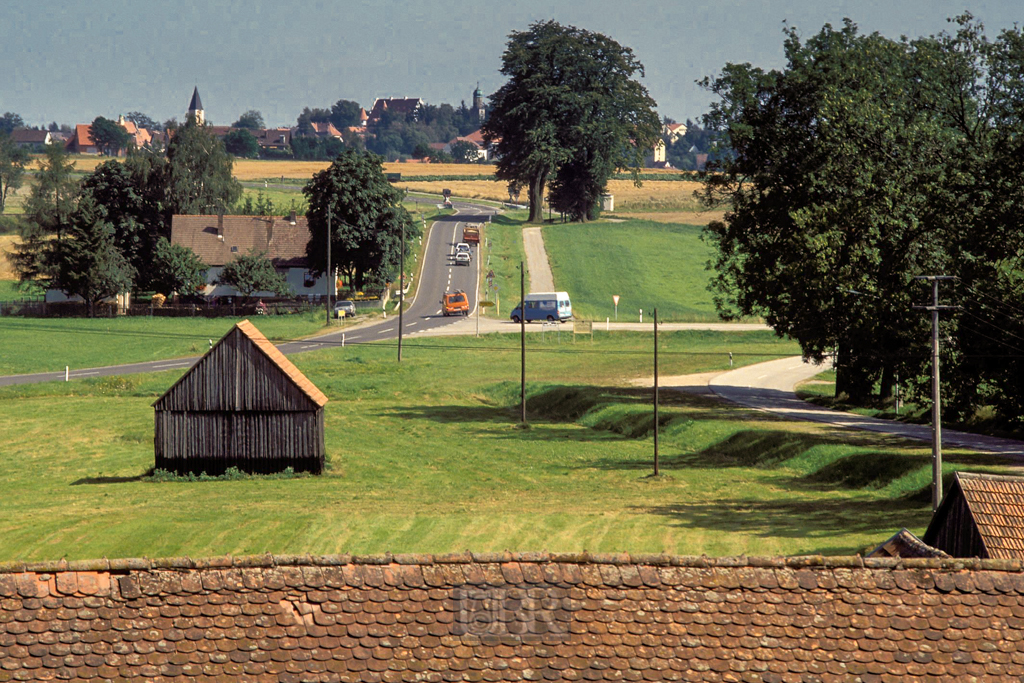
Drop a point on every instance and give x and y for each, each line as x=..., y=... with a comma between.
x=7, y=243
x=654, y=196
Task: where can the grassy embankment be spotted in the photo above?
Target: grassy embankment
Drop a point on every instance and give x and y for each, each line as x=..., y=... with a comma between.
x=425, y=457
x=647, y=264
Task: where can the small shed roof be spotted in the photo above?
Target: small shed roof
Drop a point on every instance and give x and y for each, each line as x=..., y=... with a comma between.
x=905, y=544
x=206, y=365
x=995, y=504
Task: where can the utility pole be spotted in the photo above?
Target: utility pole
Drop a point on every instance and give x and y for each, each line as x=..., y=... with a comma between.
x=655, y=392
x=330, y=273
x=401, y=291
x=936, y=390
x=522, y=340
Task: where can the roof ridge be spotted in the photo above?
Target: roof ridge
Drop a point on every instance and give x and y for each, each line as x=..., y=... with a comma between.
x=663, y=560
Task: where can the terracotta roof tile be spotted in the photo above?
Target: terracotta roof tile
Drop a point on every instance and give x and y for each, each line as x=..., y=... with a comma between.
x=412, y=617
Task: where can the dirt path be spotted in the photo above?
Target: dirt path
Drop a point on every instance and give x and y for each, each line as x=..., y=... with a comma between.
x=537, y=264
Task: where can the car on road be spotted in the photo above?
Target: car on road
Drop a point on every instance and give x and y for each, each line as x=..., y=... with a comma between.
x=344, y=309
x=461, y=246
x=462, y=258
x=549, y=306
x=455, y=303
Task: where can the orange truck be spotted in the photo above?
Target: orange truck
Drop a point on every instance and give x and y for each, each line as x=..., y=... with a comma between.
x=471, y=234
x=455, y=303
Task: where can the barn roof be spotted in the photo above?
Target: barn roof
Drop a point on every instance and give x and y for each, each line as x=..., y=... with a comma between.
x=996, y=506
x=512, y=617
x=905, y=544
x=278, y=361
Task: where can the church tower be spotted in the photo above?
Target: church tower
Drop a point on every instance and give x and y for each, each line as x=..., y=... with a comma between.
x=478, y=104
x=195, y=109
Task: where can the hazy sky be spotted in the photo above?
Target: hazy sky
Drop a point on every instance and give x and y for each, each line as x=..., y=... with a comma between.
x=72, y=61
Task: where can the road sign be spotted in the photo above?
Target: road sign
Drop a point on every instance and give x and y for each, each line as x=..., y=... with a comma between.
x=486, y=304
x=615, y=298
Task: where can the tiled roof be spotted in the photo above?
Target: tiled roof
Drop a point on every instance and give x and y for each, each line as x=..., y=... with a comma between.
x=997, y=506
x=84, y=135
x=282, y=362
x=30, y=136
x=476, y=137
x=284, y=243
x=905, y=544
x=396, y=105
x=511, y=617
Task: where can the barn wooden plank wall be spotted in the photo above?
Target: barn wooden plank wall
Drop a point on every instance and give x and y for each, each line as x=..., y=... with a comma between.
x=238, y=408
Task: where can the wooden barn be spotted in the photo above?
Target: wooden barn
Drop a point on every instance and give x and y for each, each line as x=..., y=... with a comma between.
x=982, y=515
x=242, y=405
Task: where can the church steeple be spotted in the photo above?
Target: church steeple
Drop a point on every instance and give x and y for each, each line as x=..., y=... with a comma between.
x=478, y=104
x=195, y=108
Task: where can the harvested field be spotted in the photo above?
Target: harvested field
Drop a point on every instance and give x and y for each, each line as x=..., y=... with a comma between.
x=7, y=243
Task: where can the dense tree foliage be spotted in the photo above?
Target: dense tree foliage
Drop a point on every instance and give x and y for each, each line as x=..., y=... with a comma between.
x=12, y=168
x=199, y=179
x=345, y=113
x=142, y=121
x=109, y=136
x=242, y=143
x=130, y=198
x=366, y=217
x=251, y=119
x=866, y=162
x=315, y=148
x=570, y=110
x=9, y=121
x=176, y=269
x=251, y=273
x=87, y=262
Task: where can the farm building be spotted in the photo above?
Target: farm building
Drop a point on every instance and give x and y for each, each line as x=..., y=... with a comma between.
x=982, y=515
x=242, y=405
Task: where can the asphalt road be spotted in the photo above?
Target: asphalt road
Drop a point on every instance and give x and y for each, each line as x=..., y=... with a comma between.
x=770, y=387
x=438, y=275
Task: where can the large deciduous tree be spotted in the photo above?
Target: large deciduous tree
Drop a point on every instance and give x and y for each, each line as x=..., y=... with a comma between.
x=176, y=269
x=109, y=136
x=9, y=121
x=345, y=113
x=863, y=163
x=366, y=217
x=571, y=110
x=251, y=119
x=199, y=179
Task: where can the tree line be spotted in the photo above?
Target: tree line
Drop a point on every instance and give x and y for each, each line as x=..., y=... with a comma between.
x=864, y=163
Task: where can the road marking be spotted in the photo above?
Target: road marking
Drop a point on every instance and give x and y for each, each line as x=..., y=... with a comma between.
x=170, y=365
x=411, y=324
x=83, y=374
x=389, y=329
x=310, y=346
x=437, y=312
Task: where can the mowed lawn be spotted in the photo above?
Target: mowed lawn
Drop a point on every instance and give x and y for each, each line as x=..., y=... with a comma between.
x=48, y=344
x=647, y=264
x=425, y=456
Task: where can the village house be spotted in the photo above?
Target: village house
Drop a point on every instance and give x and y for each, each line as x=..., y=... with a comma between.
x=31, y=139
x=218, y=240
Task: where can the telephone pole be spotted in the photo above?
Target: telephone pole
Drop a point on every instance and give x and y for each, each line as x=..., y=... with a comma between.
x=401, y=291
x=655, y=392
x=936, y=389
x=330, y=273
x=522, y=339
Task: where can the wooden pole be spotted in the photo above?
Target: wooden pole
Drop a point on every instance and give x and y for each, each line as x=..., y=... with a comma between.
x=401, y=292
x=329, y=272
x=522, y=340
x=655, y=392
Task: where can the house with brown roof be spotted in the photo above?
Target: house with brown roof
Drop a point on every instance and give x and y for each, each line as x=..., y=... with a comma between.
x=31, y=139
x=673, y=131
x=981, y=515
x=396, y=106
x=325, y=129
x=218, y=240
x=243, y=405
x=274, y=139
x=530, y=616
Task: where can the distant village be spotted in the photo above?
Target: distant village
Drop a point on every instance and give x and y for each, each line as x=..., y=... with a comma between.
x=405, y=129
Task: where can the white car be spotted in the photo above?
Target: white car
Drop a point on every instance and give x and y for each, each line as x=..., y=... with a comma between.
x=462, y=258
x=461, y=246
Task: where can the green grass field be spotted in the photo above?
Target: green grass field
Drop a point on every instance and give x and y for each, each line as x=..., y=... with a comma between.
x=48, y=344
x=647, y=264
x=425, y=456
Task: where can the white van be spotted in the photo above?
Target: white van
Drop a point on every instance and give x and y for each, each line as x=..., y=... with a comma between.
x=548, y=306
